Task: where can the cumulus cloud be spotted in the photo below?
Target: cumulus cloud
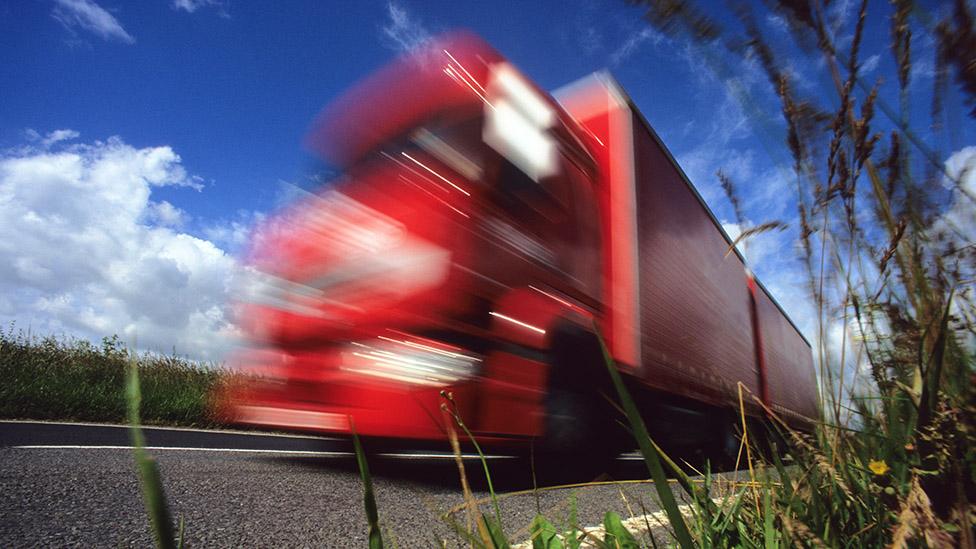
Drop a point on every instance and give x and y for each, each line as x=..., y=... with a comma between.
x=90, y=254
x=88, y=16
x=233, y=234
x=165, y=214
x=960, y=215
x=961, y=166
x=402, y=31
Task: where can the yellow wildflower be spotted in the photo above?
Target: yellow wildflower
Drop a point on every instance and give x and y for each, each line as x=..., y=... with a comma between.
x=878, y=467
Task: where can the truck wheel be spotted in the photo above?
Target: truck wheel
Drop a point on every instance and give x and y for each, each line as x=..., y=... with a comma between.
x=578, y=443
x=726, y=447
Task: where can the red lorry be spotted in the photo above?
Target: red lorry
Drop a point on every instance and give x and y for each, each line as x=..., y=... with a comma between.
x=481, y=236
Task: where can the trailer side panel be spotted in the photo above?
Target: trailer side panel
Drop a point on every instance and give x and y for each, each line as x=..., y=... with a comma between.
x=789, y=364
x=695, y=308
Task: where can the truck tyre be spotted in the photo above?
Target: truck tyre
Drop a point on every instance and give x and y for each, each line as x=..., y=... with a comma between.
x=725, y=449
x=571, y=422
x=576, y=446
x=581, y=439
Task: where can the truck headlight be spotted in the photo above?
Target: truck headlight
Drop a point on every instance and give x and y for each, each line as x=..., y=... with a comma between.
x=408, y=362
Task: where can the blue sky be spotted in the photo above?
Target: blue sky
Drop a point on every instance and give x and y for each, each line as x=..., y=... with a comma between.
x=200, y=107
x=232, y=87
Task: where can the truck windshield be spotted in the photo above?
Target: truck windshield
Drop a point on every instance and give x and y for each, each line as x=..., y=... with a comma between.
x=453, y=142
x=458, y=144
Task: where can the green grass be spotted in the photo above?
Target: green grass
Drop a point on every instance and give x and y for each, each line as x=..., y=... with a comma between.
x=48, y=378
x=153, y=494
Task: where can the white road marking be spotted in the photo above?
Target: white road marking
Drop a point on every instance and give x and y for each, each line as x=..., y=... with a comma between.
x=636, y=525
x=163, y=428
x=443, y=456
x=183, y=449
x=250, y=451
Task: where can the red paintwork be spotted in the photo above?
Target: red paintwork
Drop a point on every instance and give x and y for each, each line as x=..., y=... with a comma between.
x=427, y=268
x=788, y=363
x=757, y=339
x=512, y=392
x=400, y=96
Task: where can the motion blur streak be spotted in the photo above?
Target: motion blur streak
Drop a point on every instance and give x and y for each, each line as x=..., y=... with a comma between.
x=517, y=322
x=439, y=176
x=480, y=237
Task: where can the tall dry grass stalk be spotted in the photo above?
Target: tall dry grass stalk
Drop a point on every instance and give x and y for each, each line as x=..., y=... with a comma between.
x=888, y=267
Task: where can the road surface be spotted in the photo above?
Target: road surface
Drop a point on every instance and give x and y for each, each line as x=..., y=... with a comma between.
x=75, y=484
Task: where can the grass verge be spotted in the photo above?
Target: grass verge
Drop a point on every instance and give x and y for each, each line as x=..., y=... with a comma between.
x=69, y=379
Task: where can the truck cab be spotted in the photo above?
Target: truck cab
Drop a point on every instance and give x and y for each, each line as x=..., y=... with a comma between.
x=463, y=232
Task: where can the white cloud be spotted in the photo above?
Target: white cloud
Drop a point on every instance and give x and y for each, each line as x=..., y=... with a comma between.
x=959, y=220
x=89, y=16
x=191, y=6
x=634, y=41
x=871, y=63
x=233, y=234
x=734, y=230
x=716, y=151
x=51, y=138
x=922, y=70
x=589, y=38
x=961, y=165
x=960, y=216
x=759, y=249
x=839, y=16
x=403, y=32
x=957, y=224
x=90, y=254
x=777, y=22
x=165, y=214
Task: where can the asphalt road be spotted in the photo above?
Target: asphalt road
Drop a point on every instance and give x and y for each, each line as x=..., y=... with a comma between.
x=75, y=485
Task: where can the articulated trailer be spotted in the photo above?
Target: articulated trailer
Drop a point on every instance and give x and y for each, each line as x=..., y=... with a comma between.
x=482, y=237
